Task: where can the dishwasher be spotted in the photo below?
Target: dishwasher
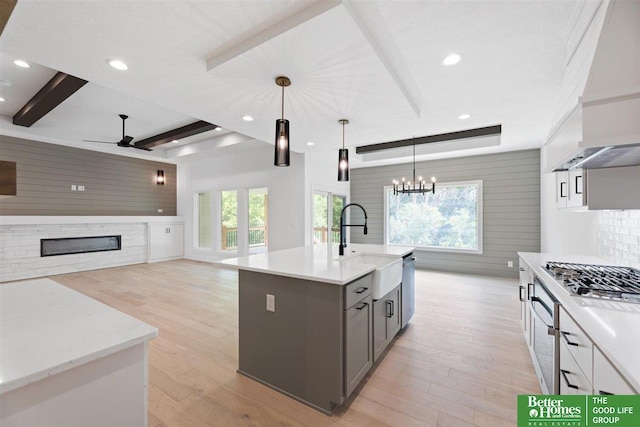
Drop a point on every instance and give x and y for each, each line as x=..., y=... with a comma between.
x=408, y=303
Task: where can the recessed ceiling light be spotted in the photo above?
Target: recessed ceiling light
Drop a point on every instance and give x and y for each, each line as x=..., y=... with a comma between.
x=452, y=59
x=464, y=116
x=217, y=128
x=117, y=64
x=2, y=99
x=310, y=144
x=21, y=63
x=175, y=141
x=247, y=118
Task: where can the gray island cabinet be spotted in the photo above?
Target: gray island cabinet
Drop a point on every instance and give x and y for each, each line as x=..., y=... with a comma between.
x=308, y=324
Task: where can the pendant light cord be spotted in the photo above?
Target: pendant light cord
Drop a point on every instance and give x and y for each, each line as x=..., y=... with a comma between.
x=343, y=123
x=414, y=163
x=282, y=102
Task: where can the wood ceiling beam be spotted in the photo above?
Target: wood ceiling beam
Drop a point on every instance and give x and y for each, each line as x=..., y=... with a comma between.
x=178, y=133
x=60, y=87
x=267, y=30
x=442, y=137
x=6, y=7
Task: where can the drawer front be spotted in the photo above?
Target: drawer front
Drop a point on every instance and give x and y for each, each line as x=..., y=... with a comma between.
x=357, y=290
x=606, y=379
x=572, y=380
x=578, y=344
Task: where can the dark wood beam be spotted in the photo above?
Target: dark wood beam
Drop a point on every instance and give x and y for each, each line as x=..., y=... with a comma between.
x=60, y=87
x=451, y=136
x=6, y=7
x=179, y=133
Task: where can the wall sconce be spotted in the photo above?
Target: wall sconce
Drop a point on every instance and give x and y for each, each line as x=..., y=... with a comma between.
x=160, y=177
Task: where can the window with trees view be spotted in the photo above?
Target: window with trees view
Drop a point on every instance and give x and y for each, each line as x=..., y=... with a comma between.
x=449, y=220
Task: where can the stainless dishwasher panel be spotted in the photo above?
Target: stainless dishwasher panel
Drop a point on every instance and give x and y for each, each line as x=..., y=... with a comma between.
x=408, y=302
x=545, y=337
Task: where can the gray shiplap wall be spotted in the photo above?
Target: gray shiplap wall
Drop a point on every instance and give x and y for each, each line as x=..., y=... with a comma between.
x=114, y=185
x=511, y=207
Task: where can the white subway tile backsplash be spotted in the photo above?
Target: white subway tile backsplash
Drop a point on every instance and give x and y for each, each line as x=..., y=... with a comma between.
x=618, y=237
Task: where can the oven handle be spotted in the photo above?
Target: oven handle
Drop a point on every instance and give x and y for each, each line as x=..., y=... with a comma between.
x=546, y=307
x=550, y=329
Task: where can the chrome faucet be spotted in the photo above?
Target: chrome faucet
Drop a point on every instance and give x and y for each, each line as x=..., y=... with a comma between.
x=343, y=234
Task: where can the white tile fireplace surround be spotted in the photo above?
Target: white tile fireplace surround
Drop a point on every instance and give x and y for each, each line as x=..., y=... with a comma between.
x=20, y=243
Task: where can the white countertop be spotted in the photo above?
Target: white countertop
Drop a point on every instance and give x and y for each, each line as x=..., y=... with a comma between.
x=319, y=263
x=613, y=326
x=47, y=328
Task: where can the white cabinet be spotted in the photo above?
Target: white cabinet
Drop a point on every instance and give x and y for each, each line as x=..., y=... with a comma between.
x=571, y=189
x=525, y=309
x=576, y=357
x=166, y=241
x=572, y=378
x=606, y=379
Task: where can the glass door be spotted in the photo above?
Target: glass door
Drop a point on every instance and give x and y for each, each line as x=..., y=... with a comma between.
x=326, y=216
x=229, y=221
x=258, y=220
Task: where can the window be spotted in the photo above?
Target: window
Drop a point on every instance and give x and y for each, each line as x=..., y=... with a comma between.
x=204, y=235
x=449, y=220
x=258, y=217
x=229, y=217
x=326, y=216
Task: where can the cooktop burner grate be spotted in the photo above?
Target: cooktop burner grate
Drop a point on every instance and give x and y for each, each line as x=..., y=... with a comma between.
x=599, y=281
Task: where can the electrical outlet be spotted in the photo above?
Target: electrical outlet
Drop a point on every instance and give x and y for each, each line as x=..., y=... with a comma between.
x=271, y=303
x=80, y=187
x=74, y=187
x=160, y=210
x=510, y=264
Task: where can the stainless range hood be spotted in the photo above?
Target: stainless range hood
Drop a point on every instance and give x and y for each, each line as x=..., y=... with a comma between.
x=603, y=129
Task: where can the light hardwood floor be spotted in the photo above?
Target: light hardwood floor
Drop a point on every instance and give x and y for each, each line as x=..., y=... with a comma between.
x=461, y=362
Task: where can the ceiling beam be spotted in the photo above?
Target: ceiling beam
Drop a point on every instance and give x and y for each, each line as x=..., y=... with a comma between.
x=6, y=7
x=178, y=133
x=266, y=31
x=60, y=87
x=442, y=137
x=373, y=27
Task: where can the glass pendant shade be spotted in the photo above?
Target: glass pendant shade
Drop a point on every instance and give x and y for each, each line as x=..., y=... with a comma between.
x=281, y=156
x=343, y=164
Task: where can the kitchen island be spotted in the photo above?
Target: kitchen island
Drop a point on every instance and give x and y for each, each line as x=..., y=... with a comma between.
x=311, y=323
x=68, y=360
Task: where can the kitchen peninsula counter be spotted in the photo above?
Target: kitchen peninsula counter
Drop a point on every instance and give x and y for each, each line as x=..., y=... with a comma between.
x=67, y=359
x=611, y=325
x=318, y=262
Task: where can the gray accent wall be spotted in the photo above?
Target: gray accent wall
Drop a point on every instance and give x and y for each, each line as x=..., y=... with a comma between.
x=511, y=208
x=114, y=185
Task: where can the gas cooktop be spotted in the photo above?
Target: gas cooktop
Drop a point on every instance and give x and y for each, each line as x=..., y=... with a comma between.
x=612, y=283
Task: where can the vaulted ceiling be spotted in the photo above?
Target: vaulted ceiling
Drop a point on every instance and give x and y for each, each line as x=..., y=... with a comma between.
x=376, y=63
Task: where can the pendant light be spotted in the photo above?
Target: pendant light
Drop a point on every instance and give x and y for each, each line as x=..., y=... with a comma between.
x=343, y=156
x=419, y=186
x=281, y=157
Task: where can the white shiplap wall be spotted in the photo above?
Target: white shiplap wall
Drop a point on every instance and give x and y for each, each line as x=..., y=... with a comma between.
x=618, y=237
x=511, y=208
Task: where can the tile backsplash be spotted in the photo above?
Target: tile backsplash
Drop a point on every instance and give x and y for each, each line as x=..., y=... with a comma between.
x=618, y=237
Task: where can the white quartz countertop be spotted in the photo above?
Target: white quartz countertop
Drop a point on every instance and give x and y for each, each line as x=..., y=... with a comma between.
x=47, y=328
x=319, y=263
x=613, y=326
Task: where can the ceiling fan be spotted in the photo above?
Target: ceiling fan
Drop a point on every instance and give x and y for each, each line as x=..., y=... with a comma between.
x=126, y=139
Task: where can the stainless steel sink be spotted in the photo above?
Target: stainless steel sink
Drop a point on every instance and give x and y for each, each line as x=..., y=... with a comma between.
x=386, y=276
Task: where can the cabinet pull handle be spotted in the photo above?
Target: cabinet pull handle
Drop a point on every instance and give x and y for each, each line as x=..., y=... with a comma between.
x=529, y=291
x=521, y=268
x=563, y=186
x=564, y=335
x=361, y=306
x=389, y=308
x=361, y=290
x=566, y=380
x=579, y=184
x=604, y=393
x=521, y=290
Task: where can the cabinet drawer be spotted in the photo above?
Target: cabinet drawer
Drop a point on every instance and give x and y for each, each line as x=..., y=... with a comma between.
x=357, y=290
x=572, y=380
x=606, y=379
x=577, y=343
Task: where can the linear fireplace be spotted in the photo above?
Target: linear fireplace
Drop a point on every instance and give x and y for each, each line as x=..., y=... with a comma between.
x=77, y=245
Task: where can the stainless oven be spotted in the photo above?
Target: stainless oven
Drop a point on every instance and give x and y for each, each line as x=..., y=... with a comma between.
x=545, y=318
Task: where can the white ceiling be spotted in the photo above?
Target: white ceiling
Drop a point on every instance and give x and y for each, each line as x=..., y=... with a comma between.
x=376, y=63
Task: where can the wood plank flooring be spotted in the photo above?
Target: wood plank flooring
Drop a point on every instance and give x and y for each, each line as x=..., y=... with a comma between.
x=461, y=362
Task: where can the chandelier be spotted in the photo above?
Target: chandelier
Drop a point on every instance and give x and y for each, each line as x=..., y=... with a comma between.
x=419, y=186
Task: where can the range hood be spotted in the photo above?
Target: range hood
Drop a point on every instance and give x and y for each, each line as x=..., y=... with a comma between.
x=603, y=129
